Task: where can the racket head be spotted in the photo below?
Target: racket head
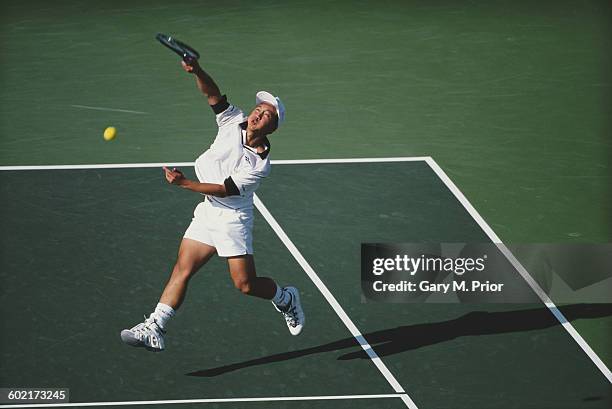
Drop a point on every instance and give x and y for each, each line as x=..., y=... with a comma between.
x=186, y=52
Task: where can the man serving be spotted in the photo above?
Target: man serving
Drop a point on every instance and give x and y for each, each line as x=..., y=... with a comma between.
x=228, y=174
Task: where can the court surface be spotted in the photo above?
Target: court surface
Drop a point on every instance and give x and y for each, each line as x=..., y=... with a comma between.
x=93, y=253
x=503, y=105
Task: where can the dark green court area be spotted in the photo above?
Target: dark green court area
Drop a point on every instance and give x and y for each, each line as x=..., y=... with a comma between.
x=85, y=253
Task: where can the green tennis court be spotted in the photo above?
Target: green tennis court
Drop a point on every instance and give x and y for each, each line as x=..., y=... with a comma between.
x=104, y=257
x=433, y=122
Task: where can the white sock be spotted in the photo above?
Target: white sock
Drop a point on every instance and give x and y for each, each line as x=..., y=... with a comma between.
x=162, y=314
x=281, y=298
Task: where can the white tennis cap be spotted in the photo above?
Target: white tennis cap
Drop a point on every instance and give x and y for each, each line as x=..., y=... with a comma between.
x=265, y=96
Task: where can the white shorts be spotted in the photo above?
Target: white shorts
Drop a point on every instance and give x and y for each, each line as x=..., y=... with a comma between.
x=229, y=231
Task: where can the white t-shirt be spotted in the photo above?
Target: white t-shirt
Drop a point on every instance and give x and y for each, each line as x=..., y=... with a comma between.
x=228, y=157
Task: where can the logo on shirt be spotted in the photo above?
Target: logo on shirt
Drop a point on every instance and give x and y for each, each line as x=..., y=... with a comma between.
x=246, y=157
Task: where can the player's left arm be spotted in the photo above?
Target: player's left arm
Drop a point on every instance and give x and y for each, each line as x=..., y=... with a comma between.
x=176, y=177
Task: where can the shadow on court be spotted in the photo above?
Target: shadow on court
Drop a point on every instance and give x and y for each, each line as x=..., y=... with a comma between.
x=409, y=337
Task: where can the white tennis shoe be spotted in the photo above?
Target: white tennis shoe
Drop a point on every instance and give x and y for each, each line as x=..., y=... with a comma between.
x=147, y=334
x=293, y=312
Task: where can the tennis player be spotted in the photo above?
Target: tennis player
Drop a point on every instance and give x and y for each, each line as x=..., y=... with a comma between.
x=228, y=174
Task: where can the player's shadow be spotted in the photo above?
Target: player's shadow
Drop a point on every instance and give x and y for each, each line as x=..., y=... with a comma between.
x=405, y=338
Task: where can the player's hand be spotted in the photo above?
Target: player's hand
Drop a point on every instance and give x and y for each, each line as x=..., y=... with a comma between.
x=174, y=176
x=191, y=66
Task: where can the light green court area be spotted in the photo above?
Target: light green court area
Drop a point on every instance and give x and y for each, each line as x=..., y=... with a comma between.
x=512, y=98
x=86, y=254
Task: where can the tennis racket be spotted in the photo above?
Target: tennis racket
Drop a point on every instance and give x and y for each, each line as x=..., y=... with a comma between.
x=187, y=53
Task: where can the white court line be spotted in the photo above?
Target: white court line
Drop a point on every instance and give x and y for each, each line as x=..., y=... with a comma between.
x=212, y=400
x=109, y=109
x=329, y=297
x=98, y=166
x=177, y=164
x=519, y=267
x=348, y=160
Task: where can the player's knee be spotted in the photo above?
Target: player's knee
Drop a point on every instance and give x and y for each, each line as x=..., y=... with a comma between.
x=244, y=286
x=181, y=273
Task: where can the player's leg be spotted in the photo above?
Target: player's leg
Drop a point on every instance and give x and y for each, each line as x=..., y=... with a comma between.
x=242, y=271
x=192, y=256
x=286, y=300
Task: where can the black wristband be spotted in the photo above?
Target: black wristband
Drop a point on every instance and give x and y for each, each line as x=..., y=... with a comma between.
x=220, y=106
x=230, y=187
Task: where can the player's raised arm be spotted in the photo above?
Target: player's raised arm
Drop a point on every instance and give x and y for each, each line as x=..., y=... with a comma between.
x=204, y=81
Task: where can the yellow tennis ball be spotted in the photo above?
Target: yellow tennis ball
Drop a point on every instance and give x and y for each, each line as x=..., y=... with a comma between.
x=110, y=133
